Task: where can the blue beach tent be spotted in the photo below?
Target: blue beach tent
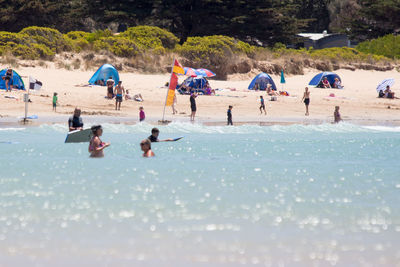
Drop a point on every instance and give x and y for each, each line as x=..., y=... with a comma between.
x=16, y=81
x=197, y=83
x=318, y=78
x=103, y=73
x=262, y=80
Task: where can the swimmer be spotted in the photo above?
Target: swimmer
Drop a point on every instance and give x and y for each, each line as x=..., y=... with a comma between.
x=154, y=136
x=96, y=146
x=146, y=148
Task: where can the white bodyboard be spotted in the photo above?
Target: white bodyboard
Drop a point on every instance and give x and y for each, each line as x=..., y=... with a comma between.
x=79, y=136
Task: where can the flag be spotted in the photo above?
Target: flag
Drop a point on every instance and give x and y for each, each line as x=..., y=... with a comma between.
x=177, y=68
x=171, y=91
x=34, y=84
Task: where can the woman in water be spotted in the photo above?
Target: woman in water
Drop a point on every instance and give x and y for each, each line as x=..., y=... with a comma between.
x=96, y=146
x=145, y=145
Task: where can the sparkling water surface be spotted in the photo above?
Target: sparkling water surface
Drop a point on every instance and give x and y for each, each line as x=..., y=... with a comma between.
x=325, y=195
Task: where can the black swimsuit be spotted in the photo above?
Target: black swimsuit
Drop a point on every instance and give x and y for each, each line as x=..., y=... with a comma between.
x=307, y=101
x=8, y=75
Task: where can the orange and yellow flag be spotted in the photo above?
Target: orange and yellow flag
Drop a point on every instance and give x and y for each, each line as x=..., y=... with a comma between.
x=176, y=69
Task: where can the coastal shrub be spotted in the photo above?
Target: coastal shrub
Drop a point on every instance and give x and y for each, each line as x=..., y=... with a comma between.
x=150, y=37
x=388, y=46
x=78, y=39
x=344, y=54
x=10, y=37
x=97, y=35
x=121, y=47
x=49, y=37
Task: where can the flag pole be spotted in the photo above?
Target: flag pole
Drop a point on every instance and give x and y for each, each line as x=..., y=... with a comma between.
x=169, y=84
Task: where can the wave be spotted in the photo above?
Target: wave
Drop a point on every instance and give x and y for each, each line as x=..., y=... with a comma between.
x=185, y=128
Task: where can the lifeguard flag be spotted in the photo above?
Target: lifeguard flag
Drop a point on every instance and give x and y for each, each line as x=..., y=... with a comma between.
x=176, y=69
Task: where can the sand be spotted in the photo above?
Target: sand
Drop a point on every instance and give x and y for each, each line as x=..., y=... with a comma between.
x=358, y=101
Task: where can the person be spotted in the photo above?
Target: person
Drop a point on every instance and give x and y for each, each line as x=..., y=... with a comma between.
x=325, y=83
x=127, y=95
x=96, y=146
x=270, y=91
x=193, y=106
x=262, y=105
x=110, y=85
x=229, y=114
x=119, y=92
x=256, y=87
x=174, y=102
x=8, y=77
x=381, y=94
x=55, y=99
x=75, y=122
x=142, y=115
x=138, y=98
x=154, y=136
x=388, y=92
x=145, y=145
x=336, y=115
x=337, y=84
x=99, y=82
x=306, y=99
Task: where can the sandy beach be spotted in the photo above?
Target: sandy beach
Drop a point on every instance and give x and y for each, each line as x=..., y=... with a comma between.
x=358, y=101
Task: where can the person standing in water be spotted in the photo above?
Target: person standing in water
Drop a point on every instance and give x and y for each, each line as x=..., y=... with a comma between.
x=75, y=122
x=262, y=105
x=145, y=145
x=306, y=99
x=229, y=114
x=96, y=146
x=336, y=115
x=193, y=106
x=119, y=92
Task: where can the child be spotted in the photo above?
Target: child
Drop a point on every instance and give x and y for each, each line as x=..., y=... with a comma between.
x=336, y=115
x=154, y=136
x=142, y=116
x=145, y=145
x=262, y=105
x=229, y=113
x=55, y=100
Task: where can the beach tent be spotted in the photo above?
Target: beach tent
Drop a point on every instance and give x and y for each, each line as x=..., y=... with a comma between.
x=103, y=73
x=262, y=80
x=197, y=83
x=16, y=82
x=318, y=78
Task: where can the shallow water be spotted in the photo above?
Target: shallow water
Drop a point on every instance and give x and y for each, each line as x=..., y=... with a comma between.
x=222, y=196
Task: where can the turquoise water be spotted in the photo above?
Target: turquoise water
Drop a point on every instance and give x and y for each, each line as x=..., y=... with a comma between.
x=325, y=195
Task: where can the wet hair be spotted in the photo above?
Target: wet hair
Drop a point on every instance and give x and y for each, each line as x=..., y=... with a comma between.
x=146, y=142
x=155, y=130
x=94, y=128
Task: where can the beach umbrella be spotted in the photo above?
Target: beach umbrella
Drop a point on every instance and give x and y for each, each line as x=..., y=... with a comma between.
x=190, y=72
x=382, y=85
x=282, y=77
x=205, y=72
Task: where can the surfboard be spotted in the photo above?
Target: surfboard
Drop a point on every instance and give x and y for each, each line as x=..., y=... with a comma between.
x=176, y=139
x=79, y=136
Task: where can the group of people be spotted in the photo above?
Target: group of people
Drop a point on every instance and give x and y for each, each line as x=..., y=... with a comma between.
x=119, y=93
x=387, y=93
x=326, y=84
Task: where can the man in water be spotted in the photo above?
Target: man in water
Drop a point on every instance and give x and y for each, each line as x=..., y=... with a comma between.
x=154, y=136
x=119, y=92
x=75, y=122
x=193, y=106
x=110, y=86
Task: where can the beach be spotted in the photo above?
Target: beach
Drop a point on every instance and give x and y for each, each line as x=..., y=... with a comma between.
x=358, y=100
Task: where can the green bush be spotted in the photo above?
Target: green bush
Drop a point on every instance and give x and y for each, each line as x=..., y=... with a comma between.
x=343, y=54
x=78, y=40
x=118, y=46
x=97, y=35
x=51, y=38
x=150, y=37
x=388, y=46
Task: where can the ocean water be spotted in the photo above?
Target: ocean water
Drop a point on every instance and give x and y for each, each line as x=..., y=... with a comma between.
x=324, y=195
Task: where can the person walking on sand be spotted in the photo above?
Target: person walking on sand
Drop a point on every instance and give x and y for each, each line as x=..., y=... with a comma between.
x=336, y=115
x=75, y=122
x=55, y=102
x=96, y=146
x=193, y=106
x=145, y=145
x=119, y=92
x=306, y=99
x=229, y=114
x=110, y=85
x=174, y=111
x=142, y=115
x=262, y=105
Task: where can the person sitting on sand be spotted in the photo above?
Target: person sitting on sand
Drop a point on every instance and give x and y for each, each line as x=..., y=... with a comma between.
x=127, y=95
x=388, y=92
x=154, y=136
x=270, y=91
x=138, y=98
x=110, y=87
x=99, y=82
x=119, y=92
x=96, y=146
x=336, y=115
x=145, y=145
x=337, y=84
x=325, y=83
x=75, y=122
